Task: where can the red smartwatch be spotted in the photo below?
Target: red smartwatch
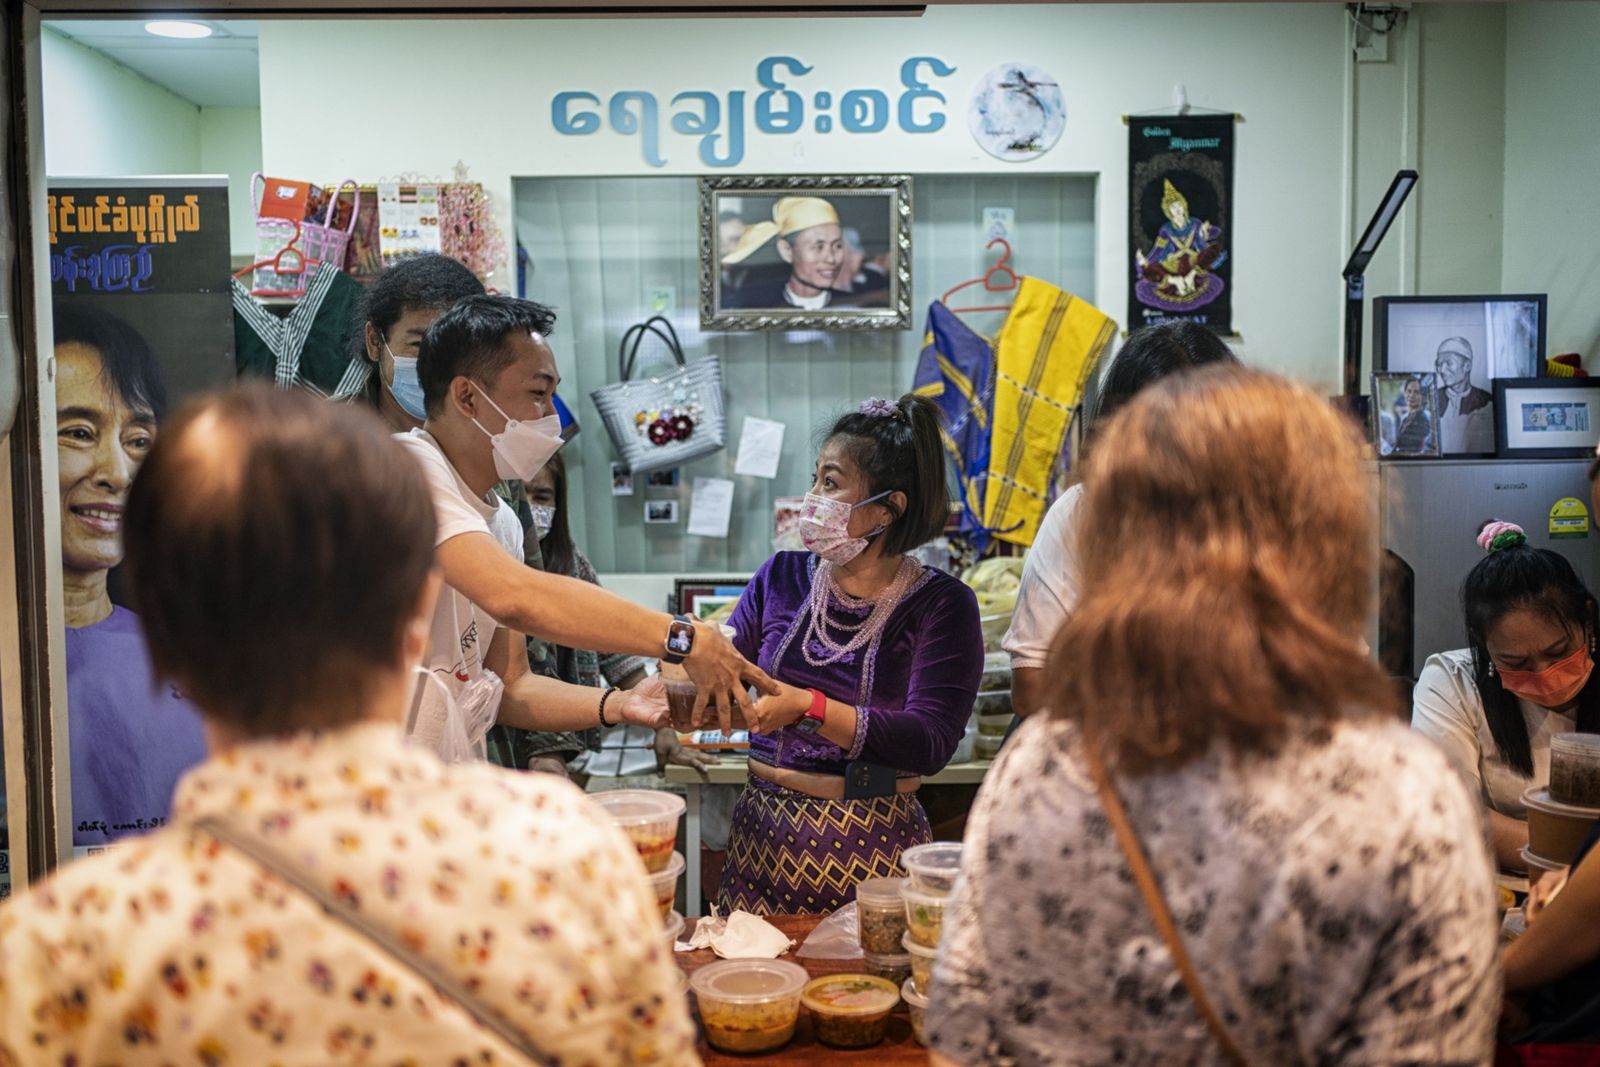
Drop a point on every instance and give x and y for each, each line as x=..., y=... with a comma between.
x=811, y=722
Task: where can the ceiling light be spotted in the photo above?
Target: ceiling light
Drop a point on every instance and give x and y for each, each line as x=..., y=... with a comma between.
x=186, y=31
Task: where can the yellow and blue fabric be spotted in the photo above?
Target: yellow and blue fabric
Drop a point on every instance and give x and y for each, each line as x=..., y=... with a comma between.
x=956, y=371
x=1048, y=347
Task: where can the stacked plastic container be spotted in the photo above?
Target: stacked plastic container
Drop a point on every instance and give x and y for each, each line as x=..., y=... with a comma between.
x=1560, y=815
x=650, y=819
x=935, y=869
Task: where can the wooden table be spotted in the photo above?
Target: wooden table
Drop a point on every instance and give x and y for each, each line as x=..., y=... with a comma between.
x=898, y=1047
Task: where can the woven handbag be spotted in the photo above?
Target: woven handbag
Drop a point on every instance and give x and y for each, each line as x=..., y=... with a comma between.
x=664, y=421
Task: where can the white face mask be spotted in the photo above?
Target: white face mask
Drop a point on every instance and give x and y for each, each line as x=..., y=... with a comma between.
x=825, y=528
x=544, y=517
x=522, y=448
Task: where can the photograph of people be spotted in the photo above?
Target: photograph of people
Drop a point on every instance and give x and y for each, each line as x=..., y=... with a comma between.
x=130, y=739
x=817, y=268
x=1466, y=412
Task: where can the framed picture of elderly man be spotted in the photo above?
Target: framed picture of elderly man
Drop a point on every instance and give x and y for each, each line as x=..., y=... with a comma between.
x=815, y=253
x=1466, y=343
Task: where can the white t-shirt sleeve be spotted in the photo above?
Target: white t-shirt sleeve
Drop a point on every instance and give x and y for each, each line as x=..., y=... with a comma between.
x=1446, y=708
x=1049, y=589
x=453, y=513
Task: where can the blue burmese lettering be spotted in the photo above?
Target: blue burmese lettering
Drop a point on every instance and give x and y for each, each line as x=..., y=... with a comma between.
x=917, y=89
x=113, y=269
x=647, y=124
x=706, y=125
x=564, y=121
x=864, y=111
x=793, y=115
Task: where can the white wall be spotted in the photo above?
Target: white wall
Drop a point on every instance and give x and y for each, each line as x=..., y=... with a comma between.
x=1552, y=166
x=102, y=119
x=230, y=143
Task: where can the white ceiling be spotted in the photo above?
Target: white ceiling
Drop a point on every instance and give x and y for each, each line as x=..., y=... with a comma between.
x=222, y=70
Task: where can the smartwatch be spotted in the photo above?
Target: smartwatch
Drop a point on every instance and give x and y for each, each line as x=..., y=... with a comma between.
x=811, y=721
x=680, y=639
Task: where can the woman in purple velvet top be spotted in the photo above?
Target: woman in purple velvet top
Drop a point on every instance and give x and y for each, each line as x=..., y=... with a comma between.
x=878, y=660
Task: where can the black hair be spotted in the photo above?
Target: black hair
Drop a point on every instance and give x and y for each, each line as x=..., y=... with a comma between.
x=560, y=554
x=432, y=282
x=129, y=361
x=1152, y=353
x=903, y=452
x=468, y=341
x=1531, y=579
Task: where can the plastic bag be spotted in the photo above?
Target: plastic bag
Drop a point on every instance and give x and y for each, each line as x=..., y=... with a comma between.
x=455, y=728
x=838, y=937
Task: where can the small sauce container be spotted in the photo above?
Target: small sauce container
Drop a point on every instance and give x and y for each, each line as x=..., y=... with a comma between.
x=918, y=1004
x=881, y=915
x=749, y=1005
x=894, y=968
x=850, y=1010
x=664, y=883
x=922, y=958
x=924, y=916
x=934, y=867
x=649, y=818
x=1575, y=769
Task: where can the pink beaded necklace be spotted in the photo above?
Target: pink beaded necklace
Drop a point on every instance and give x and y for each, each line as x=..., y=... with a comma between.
x=825, y=590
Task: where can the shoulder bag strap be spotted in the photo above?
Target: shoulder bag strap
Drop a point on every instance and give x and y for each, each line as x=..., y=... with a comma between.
x=637, y=333
x=1157, y=905
x=444, y=983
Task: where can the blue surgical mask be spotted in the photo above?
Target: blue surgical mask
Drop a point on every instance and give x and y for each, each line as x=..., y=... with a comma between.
x=407, y=387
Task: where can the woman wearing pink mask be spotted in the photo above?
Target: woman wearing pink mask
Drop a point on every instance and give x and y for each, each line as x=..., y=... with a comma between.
x=1527, y=674
x=878, y=659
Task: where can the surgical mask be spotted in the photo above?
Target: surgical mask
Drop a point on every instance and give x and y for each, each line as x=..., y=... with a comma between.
x=825, y=528
x=522, y=448
x=544, y=517
x=407, y=387
x=1556, y=685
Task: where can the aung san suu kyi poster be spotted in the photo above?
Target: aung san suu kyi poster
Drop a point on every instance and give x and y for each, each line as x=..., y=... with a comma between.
x=1180, y=224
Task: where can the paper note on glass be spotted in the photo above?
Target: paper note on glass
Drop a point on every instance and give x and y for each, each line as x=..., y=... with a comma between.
x=760, y=448
x=710, y=507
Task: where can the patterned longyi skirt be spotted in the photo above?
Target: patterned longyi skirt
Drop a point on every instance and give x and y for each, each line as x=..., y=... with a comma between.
x=789, y=853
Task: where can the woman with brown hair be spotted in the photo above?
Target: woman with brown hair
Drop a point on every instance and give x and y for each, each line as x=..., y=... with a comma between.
x=1310, y=884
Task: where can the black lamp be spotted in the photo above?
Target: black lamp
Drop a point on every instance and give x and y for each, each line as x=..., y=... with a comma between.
x=1355, y=282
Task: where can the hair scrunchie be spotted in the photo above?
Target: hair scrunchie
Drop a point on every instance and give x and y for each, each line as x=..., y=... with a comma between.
x=1501, y=535
x=879, y=408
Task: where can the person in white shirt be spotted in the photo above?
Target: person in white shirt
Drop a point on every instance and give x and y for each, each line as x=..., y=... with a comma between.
x=1049, y=588
x=487, y=376
x=1526, y=675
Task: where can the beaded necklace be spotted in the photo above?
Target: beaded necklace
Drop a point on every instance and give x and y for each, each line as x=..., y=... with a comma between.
x=855, y=635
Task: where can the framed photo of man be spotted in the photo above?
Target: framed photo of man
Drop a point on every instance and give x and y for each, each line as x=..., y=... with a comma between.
x=1467, y=343
x=819, y=253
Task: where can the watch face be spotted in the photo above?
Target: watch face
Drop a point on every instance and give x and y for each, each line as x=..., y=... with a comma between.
x=808, y=725
x=680, y=639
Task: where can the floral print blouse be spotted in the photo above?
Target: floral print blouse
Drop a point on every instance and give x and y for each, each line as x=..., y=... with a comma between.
x=174, y=948
x=1337, y=900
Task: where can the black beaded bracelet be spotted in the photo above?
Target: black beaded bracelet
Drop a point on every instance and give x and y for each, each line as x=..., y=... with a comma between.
x=605, y=696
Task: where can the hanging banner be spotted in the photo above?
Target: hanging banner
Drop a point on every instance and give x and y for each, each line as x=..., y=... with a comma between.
x=142, y=317
x=1180, y=208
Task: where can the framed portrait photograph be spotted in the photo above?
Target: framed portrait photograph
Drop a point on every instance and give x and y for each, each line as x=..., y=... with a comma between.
x=701, y=598
x=1467, y=343
x=813, y=253
x=1405, y=423
x=1546, y=418
x=660, y=512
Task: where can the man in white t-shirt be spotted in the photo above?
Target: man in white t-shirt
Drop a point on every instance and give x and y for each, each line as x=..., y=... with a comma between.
x=1049, y=589
x=487, y=378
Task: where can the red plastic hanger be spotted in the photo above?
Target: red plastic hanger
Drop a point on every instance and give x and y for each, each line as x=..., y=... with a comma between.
x=999, y=278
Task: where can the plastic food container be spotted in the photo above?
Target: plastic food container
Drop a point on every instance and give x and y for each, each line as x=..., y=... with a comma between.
x=919, y=1008
x=1556, y=831
x=994, y=725
x=749, y=1005
x=987, y=747
x=1538, y=866
x=996, y=672
x=664, y=883
x=934, y=868
x=969, y=739
x=1575, y=769
x=850, y=1010
x=672, y=931
x=925, y=916
x=881, y=915
x=649, y=818
x=894, y=968
x=922, y=958
x=997, y=702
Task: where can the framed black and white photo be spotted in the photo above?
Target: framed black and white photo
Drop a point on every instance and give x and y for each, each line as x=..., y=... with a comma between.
x=660, y=512
x=1468, y=343
x=1546, y=418
x=792, y=253
x=1405, y=422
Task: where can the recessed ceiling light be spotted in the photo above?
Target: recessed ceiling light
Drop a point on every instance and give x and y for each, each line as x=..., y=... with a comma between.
x=187, y=31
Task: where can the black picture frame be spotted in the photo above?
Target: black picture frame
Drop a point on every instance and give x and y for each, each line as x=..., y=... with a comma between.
x=1519, y=394
x=687, y=591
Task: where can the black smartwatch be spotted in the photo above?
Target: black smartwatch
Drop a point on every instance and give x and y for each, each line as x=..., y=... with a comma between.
x=680, y=639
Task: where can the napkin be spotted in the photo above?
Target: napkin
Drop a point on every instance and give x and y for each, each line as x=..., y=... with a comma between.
x=737, y=936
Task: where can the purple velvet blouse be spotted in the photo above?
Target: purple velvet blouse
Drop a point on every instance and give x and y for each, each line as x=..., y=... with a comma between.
x=913, y=696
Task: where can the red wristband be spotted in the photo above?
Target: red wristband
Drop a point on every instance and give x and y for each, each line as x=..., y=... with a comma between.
x=819, y=706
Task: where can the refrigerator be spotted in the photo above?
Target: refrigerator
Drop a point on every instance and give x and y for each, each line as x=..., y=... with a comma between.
x=1430, y=512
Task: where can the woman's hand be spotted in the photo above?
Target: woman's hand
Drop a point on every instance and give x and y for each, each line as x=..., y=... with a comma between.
x=670, y=750
x=784, y=708
x=720, y=673
x=1542, y=892
x=643, y=705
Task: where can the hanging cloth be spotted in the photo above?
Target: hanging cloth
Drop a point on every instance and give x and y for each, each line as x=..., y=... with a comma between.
x=956, y=371
x=311, y=347
x=1048, y=347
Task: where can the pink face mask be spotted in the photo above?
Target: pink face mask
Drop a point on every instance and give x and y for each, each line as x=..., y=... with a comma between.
x=1558, y=684
x=825, y=528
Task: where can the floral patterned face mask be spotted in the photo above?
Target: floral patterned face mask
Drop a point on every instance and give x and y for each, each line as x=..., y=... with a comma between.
x=825, y=528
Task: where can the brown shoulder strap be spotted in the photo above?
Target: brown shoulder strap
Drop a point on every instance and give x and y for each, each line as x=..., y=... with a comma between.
x=1157, y=905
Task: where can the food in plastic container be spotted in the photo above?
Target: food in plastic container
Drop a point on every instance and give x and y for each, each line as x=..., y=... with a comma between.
x=934, y=867
x=673, y=930
x=749, y=1005
x=994, y=725
x=918, y=1004
x=881, y=915
x=850, y=1010
x=1575, y=769
x=996, y=672
x=966, y=746
x=1556, y=831
x=988, y=747
x=922, y=958
x=994, y=703
x=894, y=968
x=649, y=818
x=664, y=883
x=925, y=916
